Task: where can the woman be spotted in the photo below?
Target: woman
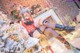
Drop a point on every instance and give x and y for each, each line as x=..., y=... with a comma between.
x=48, y=29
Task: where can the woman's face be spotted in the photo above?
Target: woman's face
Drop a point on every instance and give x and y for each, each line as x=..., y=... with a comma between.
x=26, y=15
x=46, y=22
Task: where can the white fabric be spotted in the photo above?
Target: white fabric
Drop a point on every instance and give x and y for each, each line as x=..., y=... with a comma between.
x=5, y=36
x=1, y=44
x=31, y=42
x=9, y=42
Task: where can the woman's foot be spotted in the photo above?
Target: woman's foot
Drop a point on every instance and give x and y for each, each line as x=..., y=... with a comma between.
x=62, y=40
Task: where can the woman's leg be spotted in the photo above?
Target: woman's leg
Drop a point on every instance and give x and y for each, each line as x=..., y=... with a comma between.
x=53, y=33
x=53, y=26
